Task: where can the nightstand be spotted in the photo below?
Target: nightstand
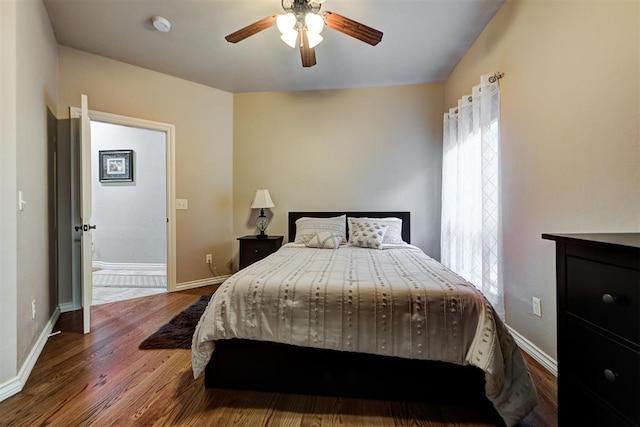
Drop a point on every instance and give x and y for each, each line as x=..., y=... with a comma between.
x=254, y=248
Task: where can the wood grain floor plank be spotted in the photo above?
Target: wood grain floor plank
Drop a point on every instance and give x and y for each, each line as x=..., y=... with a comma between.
x=103, y=379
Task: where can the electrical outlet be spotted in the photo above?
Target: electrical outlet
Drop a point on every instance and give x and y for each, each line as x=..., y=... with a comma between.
x=209, y=259
x=33, y=309
x=537, y=307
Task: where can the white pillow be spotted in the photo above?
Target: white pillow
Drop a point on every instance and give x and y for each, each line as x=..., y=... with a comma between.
x=307, y=227
x=367, y=234
x=393, y=234
x=325, y=240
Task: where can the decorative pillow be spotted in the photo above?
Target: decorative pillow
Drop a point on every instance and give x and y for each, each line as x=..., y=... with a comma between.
x=367, y=234
x=393, y=234
x=325, y=240
x=307, y=227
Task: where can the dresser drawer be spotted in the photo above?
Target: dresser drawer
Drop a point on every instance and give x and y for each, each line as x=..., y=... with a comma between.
x=608, y=369
x=255, y=252
x=253, y=248
x=604, y=294
x=579, y=407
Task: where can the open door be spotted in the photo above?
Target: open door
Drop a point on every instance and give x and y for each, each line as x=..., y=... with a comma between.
x=82, y=178
x=85, y=214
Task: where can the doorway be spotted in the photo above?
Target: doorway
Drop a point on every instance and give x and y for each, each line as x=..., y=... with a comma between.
x=135, y=219
x=129, y=250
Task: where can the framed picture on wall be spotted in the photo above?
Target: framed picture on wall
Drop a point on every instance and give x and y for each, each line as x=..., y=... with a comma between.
x=116, y=165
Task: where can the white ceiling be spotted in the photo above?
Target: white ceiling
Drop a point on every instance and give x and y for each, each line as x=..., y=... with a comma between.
x=423, y=41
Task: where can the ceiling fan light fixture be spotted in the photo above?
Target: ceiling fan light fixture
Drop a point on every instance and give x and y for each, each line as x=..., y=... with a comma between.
x=314, y=23
x=314, y=39
x=302, y=23
x=286, y=22
x=290, y=38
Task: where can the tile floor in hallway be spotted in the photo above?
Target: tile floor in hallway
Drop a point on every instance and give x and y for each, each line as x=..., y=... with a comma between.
x=104, y=295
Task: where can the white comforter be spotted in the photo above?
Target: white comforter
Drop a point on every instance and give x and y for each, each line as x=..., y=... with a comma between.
x=395, y=302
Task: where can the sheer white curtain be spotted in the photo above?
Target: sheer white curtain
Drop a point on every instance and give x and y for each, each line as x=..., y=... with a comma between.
x=471, y=239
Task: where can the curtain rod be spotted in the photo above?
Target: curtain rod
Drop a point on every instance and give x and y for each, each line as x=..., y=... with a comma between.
x=496, y=76
x=492, y=79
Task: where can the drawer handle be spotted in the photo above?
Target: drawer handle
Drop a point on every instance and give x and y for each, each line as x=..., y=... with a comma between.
x=256, y=251
x=610, y=376
x=608, y=299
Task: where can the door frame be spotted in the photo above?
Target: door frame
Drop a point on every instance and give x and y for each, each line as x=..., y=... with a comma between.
x=169, y=131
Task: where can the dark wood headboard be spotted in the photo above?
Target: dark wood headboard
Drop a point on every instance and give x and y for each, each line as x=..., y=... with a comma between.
x=405, y=216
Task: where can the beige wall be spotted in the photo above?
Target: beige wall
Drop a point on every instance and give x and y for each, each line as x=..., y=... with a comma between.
x=36, y=89
x=28, y=88
x=352, y=149
x=203, y=118
x=8, y=183
x=570, y=148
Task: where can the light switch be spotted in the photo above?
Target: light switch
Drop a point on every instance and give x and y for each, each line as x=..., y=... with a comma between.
x=21, y=201
x=182, y=204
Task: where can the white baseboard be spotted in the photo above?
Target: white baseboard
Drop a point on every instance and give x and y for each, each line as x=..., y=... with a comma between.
x=16, y=384
x=10, y=387
x=68, y=306
x=128, y=266
x=202, y=282
x=548, y=362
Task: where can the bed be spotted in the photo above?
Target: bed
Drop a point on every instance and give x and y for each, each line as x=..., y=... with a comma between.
x=349, y=307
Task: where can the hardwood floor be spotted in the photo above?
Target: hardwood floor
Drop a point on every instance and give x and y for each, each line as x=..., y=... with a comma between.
x=102, y=379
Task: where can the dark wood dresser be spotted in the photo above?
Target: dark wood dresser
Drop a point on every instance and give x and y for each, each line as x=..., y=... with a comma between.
x=254, y=248
x=598, y=303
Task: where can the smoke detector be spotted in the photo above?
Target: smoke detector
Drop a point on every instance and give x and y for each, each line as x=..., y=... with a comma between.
x=161, y=24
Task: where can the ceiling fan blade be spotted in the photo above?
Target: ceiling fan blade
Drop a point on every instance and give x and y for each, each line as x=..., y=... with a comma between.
x=352, y=28
x=252, y=29
x=307, y=53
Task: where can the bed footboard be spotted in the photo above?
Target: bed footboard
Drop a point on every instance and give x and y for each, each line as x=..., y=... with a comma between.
x=266, y=366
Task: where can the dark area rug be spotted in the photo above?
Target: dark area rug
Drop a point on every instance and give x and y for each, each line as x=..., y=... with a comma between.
x=179, y=331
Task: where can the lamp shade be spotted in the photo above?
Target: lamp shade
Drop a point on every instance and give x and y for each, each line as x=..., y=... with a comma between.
x=313, y=39
x=290, y=38
x=314, y=23
x=286, y=22
x=262, y=200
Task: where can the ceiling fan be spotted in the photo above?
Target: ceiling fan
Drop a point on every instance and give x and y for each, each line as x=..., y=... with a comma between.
x=302, y=23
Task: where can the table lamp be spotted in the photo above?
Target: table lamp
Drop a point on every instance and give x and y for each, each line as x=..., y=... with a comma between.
x=261, y=201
